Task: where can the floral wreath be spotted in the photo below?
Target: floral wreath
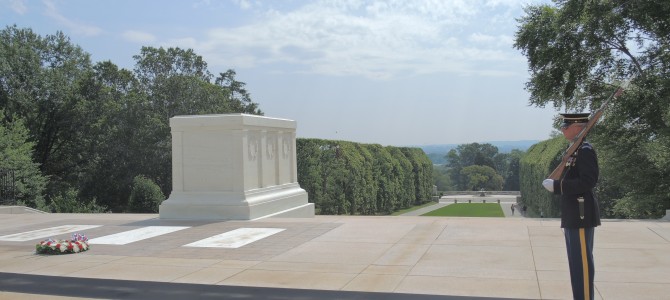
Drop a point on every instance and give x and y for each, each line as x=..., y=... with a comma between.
x=78, y=243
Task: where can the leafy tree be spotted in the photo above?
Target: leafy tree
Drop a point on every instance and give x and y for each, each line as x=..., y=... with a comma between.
x=16, y=155
x=478, y=177
x=472, y=154
x=442, y=179
x=40, y=82
x=122, y=147
x=454, y=168
x=68, y=202
x=145, y=196
x=466, y=155
x=507, y=165
x=154, y=65
x=240, y=98
x=577, y=52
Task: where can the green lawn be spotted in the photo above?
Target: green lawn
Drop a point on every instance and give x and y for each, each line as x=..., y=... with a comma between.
x=468, y=210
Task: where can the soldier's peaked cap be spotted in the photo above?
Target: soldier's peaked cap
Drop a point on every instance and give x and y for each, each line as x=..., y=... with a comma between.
x=575, y=118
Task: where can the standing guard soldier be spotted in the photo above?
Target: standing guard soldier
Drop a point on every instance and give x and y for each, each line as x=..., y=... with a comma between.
x=579, y=207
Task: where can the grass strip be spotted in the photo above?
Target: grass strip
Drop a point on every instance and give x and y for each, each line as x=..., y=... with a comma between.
x=468, y=210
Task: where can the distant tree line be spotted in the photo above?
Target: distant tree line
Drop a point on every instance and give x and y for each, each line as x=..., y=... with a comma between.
x=362, y=179
x=479, y=166
x=95, y=137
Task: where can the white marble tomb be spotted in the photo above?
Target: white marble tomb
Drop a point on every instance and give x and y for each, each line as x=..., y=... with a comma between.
x=234, y=166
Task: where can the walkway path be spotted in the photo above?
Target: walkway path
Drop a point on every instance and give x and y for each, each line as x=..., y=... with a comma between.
x=426, y=209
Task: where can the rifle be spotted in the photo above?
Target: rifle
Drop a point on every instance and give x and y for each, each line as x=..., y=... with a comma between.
x=579, y=139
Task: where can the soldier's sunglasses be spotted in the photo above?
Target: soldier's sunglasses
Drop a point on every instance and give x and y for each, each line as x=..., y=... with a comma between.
x=565, y=126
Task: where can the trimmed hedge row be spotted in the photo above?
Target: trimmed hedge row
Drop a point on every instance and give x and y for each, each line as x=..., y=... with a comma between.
x=362, y=179
x=535, y=166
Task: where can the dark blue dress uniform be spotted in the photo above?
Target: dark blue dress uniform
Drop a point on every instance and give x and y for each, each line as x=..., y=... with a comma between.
x=578, y=223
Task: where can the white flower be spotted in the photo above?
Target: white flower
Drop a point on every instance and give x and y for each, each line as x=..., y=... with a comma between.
x=75, y=248
x=63, y=247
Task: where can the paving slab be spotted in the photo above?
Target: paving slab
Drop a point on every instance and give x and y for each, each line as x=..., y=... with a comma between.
x=334, y=257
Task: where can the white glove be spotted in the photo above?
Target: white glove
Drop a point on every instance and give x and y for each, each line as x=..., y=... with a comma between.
x=548, y=184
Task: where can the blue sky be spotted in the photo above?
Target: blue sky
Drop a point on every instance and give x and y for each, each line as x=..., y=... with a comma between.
x=389, y=72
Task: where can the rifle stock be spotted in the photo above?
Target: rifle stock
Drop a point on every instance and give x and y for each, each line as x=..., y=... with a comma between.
x=579, y=139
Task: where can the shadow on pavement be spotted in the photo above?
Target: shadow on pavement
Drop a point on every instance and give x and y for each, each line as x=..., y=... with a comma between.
x=126, y=289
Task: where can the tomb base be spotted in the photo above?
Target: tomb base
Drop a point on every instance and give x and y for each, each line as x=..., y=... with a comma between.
x=278, y=201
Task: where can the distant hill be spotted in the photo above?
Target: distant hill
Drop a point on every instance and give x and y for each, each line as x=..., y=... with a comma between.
x=436, y=153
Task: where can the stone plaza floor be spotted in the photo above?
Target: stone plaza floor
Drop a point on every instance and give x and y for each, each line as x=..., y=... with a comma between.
x=326, y=257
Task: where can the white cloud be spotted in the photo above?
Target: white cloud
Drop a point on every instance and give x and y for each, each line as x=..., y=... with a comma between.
x=511, y=3
x=202, y=3
x=376, y=39
x=74, y=27
x=18, y=6
x=481, y=38
x=243, y=4
x=138, y=36
x=496, y=41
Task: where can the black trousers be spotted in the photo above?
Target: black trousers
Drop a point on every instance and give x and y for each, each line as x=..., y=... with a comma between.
x=579, y=242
